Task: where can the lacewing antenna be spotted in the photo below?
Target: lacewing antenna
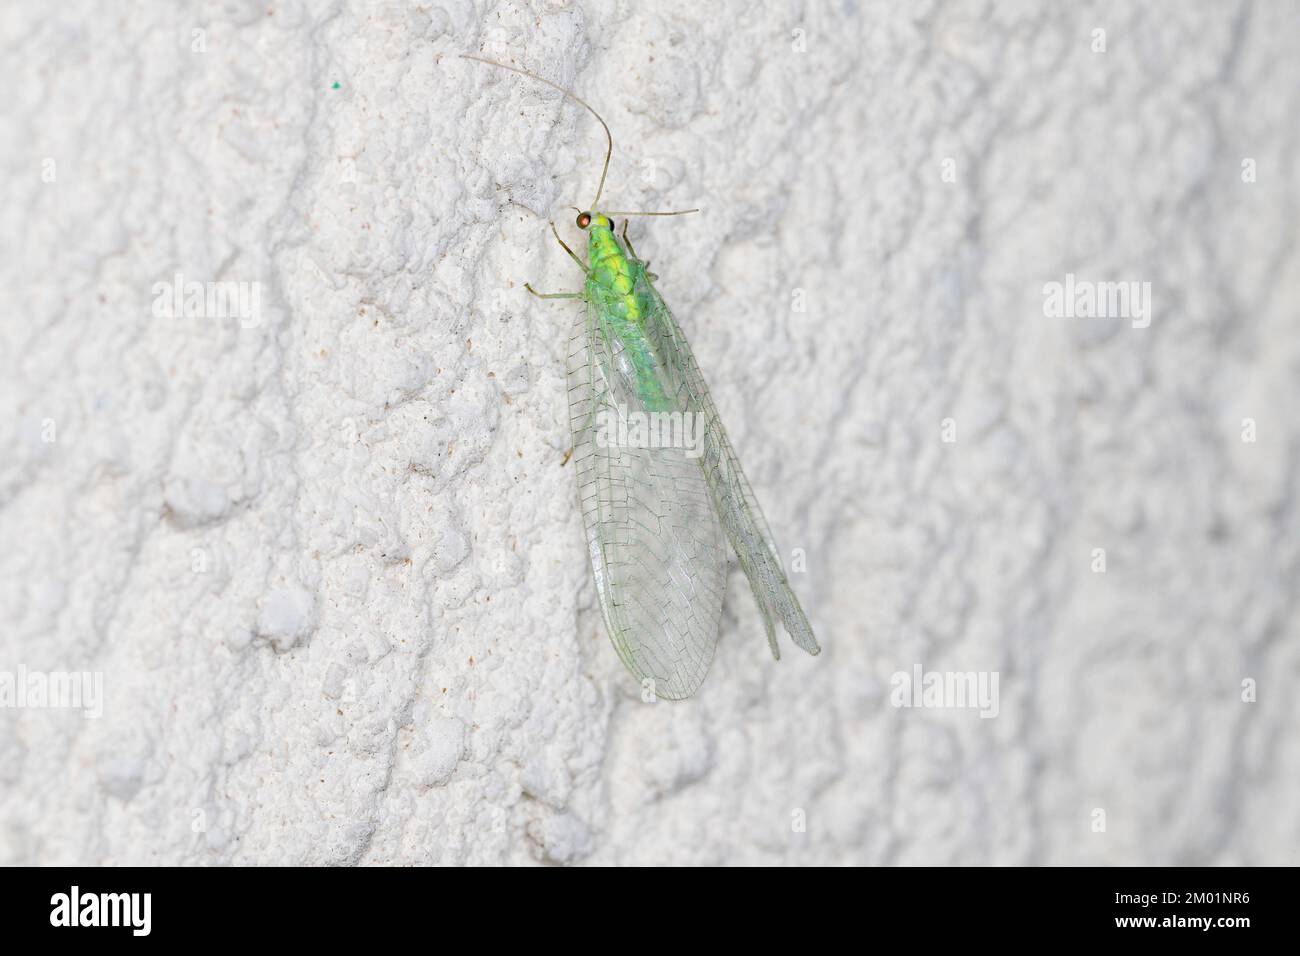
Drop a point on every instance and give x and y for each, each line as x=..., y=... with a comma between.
x=620, y=212
x=609, y=138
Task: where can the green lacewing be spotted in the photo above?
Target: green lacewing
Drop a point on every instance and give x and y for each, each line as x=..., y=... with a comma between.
x=662, y=493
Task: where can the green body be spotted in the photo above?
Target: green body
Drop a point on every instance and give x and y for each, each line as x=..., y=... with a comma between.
x=615, y=287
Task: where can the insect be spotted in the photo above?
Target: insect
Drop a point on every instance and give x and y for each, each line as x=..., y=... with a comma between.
x=660, y=512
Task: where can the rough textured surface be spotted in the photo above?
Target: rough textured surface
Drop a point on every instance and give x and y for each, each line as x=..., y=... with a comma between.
x=329, y=563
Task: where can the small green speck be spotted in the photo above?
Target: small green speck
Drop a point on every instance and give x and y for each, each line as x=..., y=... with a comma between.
x=336, y=84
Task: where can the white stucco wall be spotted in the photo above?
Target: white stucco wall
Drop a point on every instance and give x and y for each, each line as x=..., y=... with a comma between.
x=329, y=565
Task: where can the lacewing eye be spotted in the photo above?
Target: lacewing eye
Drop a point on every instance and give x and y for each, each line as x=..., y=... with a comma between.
x=584, y=220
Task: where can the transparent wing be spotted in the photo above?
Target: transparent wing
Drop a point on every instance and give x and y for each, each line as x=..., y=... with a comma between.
x=737, y=508
x=657, y=549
